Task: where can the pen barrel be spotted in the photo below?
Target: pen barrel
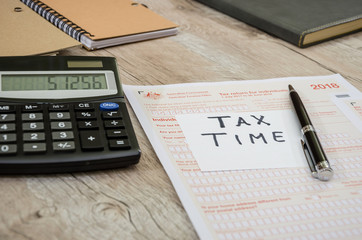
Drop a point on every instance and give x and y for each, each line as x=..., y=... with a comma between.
x=318, y=162
x=314, y=146
x=321, y=163
x=300, y=109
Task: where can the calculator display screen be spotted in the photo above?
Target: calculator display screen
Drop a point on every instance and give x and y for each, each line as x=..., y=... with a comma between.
x=34, y=82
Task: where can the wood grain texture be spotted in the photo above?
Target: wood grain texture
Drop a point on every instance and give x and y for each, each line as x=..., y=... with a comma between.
x=140, y=202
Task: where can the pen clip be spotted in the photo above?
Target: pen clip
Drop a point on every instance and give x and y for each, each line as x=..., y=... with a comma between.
x=309, y=159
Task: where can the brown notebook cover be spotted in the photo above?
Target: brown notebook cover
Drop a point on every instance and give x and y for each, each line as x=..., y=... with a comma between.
x=23, y=32
x=108, y=21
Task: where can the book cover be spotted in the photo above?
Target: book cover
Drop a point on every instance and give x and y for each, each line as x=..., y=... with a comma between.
x=302, y=23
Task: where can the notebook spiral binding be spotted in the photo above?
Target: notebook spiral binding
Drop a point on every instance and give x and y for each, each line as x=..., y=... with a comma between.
x=56, y=19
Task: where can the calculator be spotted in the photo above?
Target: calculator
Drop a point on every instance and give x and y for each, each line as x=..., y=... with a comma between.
x=63, y=114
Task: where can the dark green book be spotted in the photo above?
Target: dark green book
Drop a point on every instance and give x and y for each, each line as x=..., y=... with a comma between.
x=300, y=22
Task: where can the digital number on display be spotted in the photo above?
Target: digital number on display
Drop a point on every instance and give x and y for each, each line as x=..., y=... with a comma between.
x=53, y=82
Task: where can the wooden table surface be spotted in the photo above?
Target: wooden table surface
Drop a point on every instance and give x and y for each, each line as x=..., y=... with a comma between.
x=140, y=202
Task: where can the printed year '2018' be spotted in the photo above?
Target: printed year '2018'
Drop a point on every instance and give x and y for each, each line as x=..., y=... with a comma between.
x=324, y=86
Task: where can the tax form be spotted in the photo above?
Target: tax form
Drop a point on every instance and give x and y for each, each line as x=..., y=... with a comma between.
x=269, y=203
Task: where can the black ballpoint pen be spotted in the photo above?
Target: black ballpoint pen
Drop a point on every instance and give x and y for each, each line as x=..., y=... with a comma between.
x=317, y=159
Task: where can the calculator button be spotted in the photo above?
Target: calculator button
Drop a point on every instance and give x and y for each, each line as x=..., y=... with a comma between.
x=111, y=114
x=63, y=135
x=7, y=117
x=91, y=140
x=34, y=147
x=8, y=149
x=116, y=123
x=7, y=127
x=117, y=133
x=108, y=106
x=34, y=137
x=33, y=126
x=60, y=125
x=59, y=116
x=119, y=144
x=8, y=137
x=85, y=115
x=63, y=146
x=87, y=125
x=32, y=116
x=7, y=108
x=58, y=107
x=32, y=108
x=83, y=106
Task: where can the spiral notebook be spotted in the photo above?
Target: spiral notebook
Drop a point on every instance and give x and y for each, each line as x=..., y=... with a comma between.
x=103, y=23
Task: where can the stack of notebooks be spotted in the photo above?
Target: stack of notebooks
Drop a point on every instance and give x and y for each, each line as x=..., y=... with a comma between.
x=300, y=22
x=94, y=23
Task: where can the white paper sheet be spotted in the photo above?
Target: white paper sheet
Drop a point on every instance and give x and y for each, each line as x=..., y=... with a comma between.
x=248, y=140
x=281, y=203
x=351, y=106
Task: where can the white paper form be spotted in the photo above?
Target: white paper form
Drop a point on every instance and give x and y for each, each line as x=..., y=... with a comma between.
x=351, y=106
x=285, y=203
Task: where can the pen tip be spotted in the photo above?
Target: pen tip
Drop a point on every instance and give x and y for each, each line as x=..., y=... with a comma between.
x=291, y=88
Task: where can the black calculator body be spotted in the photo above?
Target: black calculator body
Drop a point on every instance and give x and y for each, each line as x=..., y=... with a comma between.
x=63, y=114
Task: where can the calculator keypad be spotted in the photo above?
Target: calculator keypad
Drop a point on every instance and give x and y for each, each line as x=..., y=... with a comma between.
x=44, y=128
x=7, y=130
